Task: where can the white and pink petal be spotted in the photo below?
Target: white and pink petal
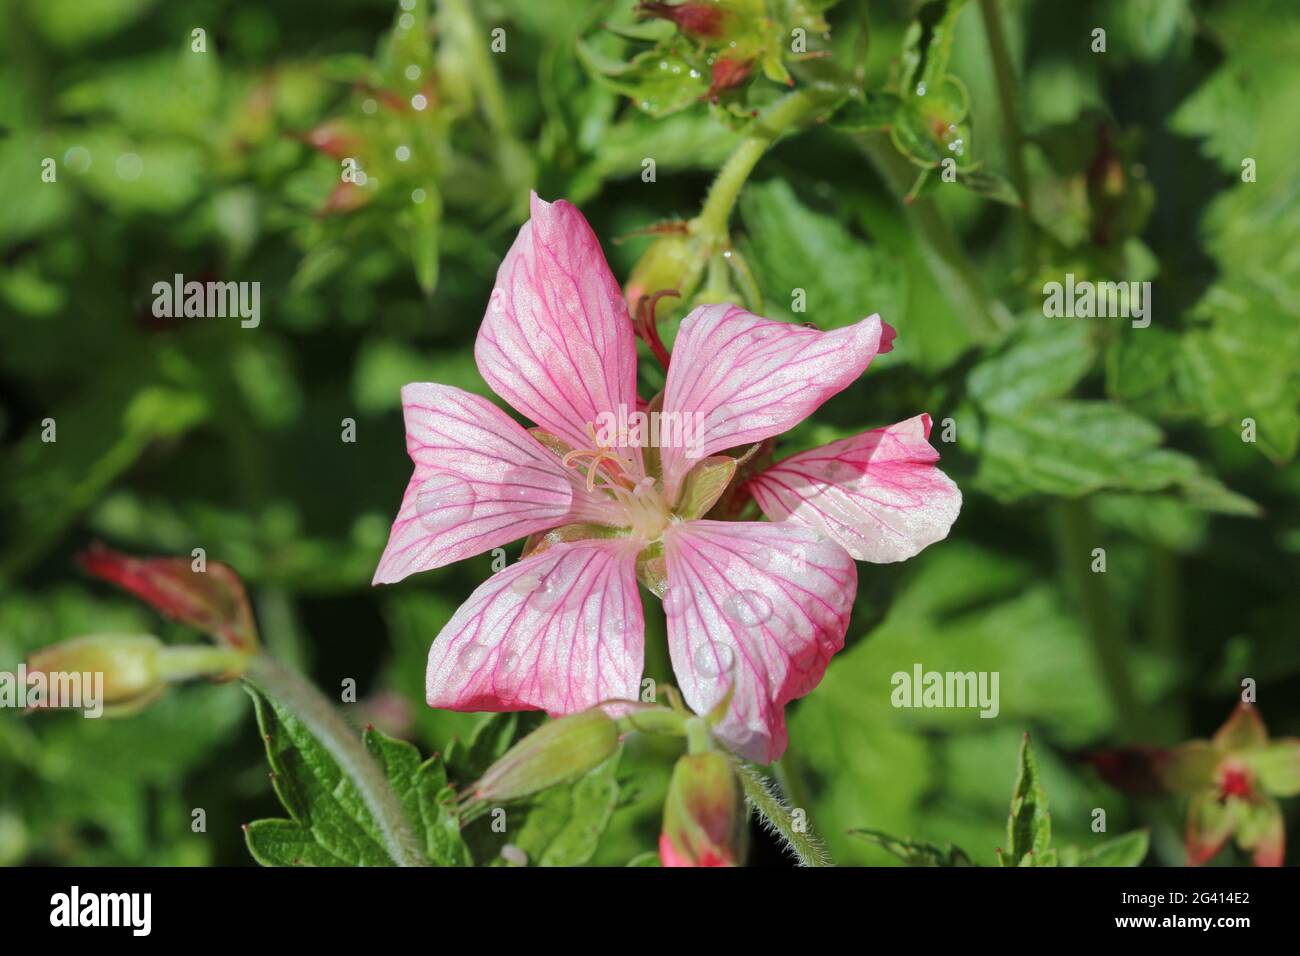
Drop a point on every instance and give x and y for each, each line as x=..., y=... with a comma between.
x=740, y=378
x=755, y=610
x=556, y=341
x=878, y=494
x=480, y=481
x=560, y=631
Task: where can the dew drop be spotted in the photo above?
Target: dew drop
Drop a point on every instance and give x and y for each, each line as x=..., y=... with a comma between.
x=675, y=602
x=526, y=583
x=509, y=662
x=714, y=660
x=471, y=656
x=548, y=593
x=129, y=166
x=77, y=159
x=444, y=501
x=747, y=608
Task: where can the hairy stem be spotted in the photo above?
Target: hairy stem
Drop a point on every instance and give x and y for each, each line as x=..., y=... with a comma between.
x=763, y=797
x=778, y=118
x=288, y=689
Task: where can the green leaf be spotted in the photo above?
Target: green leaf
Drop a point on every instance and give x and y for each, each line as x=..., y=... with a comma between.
x=914, y=852
x=1031, y=441
x=659, y=81
x=1029, y=827
x=328, y=812
x=793, y=249
x=1129, y=849
x=1046, y=361
x=927, y=46
x=330, y=824
x=873, y=110
x=426, y=799
x=564, y=825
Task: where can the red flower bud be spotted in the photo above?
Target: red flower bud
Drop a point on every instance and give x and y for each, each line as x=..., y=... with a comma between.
x=704, y=815
x=695, y=18
x=728, y=74
x=212, y=600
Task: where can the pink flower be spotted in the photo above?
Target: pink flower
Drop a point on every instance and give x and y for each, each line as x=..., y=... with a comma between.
x=758, y=605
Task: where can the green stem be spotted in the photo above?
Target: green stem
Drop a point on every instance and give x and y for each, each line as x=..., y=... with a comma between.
x=1008, y=101
x=1076, y=538
x=779, y=817
x=186, y=661
x=288, y=689
x=771, y=124
x=984, y=317
x=461, y=24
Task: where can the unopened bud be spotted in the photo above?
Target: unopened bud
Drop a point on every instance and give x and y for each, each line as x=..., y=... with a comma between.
x=670, y=262
x=127, y=664
x=704, y=815
x=212, y=600
x=557, y=752
x=697, y=18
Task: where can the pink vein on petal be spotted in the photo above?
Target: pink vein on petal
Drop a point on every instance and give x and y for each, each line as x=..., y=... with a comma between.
x=758, y=605
x=878, y=494
x=744, y=378
x=559, y=631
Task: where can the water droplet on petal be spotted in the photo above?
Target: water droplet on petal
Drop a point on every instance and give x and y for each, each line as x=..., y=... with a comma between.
x=747, y=608
x=526, y=583
x=675, y=601
x=471, y=656
x=509, y=662
x=714, y=660
x=549, y=592
x=444, y=501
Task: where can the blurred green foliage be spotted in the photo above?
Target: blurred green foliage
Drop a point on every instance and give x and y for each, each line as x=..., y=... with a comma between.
x=1067, y=434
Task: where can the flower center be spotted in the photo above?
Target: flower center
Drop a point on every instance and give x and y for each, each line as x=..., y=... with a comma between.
x=645, y=511
x=1234, y=782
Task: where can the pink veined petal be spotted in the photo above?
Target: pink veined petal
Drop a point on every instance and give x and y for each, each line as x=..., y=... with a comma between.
x=560, y=631
x=741, y=378
x=557, y=342
x=480, y=481
x=758, y=605
x=878, y=494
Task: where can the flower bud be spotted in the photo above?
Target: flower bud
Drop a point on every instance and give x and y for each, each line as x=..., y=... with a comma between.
x=696, y=18
x=672, y=261
x=128, y=663
x=557, y=752
x=212, y=600
x=704, y=815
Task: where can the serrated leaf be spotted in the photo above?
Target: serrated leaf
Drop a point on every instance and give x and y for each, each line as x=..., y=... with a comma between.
x=792, y=248
x=330, y=823
x=326, y=808
x=421, y=788
x=1029, y=827
x=564, y=824
x=915, y=852
x=1130, y=849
